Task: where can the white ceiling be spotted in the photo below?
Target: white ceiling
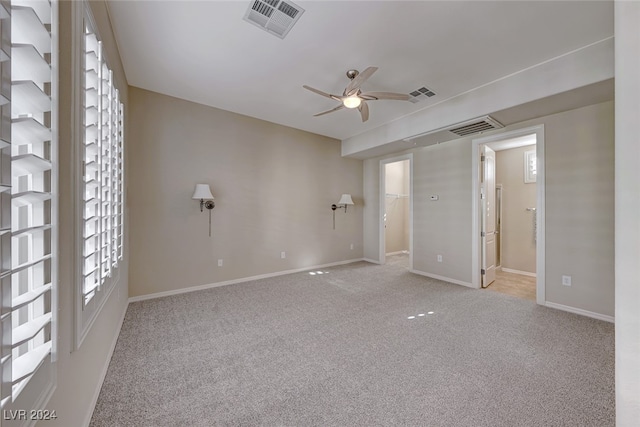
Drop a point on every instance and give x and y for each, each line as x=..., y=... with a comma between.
x=205, y=52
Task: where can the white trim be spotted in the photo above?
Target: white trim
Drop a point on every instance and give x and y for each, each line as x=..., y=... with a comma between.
x=443, y=278
x=103, y=373
x=540, y=207
x=55, y=195
x=499, y=230
x=240, y=280
x=55, y=178
x=397, y=253
x=372, y=261
x=580, y=311
x=85, y=326
x=47, y=372
x=541, y=218
x=520, y=272
x=77, y=64
x=382, y=206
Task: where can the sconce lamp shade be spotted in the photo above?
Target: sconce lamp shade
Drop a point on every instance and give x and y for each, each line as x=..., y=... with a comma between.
x=203, y=191
x=345, y=200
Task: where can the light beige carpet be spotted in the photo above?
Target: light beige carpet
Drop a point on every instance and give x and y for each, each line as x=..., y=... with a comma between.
x=361, y=345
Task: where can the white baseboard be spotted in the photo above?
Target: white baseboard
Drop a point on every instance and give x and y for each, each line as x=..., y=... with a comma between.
x=397, y=253
x=372, y=261
x=520, y=272
x=240, y=280
x=103, y=374
x=444, y=279
x=580, y=311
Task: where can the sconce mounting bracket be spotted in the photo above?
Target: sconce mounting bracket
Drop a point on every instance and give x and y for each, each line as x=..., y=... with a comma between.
x=209, y=204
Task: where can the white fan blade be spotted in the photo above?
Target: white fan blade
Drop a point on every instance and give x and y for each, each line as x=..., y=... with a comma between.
x=339, y=107
x=355, y=84
x=364, y=111
x=384, y=95
x=319, y=92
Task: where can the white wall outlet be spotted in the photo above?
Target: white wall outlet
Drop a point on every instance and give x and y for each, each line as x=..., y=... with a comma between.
x=352, y=246
x=566, y=280
x=439, y=258
x=220, y=263
x=283, y=254
x=434, y=197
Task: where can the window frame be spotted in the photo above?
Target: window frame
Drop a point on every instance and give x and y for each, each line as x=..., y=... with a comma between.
x=37, y=387
x=85, y=313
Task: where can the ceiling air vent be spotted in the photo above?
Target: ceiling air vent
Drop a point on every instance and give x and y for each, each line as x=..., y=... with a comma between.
x=420, y=94
x=274, y=16
x=474, y=126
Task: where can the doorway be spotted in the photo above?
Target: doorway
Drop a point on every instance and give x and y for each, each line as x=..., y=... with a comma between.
x=508, y=220
x=396, y=207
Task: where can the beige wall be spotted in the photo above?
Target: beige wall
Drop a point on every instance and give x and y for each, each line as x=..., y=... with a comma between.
x=273, y=189
x=627, y=222
x=443, y=227
x=80, y=372
x=397, y=206
x=518, y=246
x=579, y=156
x=579, y=207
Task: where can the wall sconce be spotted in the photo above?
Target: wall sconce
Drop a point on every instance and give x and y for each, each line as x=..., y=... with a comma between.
x=345, y=201
x=203, y=192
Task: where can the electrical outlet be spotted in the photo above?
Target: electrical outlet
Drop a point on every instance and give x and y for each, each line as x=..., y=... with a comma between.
x=352, y=246
x=283, y=254
x=566, y=280
x=220, y=263
x=439, y=258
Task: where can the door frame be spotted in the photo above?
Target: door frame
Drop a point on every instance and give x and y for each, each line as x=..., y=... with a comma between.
x=499, y=228
x=382, y=207
x=540, y=205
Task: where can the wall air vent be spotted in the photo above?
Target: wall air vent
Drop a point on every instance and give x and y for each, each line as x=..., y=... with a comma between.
x=274, y=16
x=420, y=94
x=474, y=126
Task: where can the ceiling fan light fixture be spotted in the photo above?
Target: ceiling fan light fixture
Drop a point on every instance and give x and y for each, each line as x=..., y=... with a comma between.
x=351, y=101
x=352, y=97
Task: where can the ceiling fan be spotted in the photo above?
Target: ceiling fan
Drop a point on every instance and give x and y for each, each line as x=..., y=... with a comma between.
x=353, y=97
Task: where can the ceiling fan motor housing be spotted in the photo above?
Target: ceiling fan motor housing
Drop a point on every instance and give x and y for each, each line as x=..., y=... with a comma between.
x=352, y=74
x=352, y=97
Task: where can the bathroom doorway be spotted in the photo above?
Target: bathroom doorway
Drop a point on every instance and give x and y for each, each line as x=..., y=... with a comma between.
x=508, y=231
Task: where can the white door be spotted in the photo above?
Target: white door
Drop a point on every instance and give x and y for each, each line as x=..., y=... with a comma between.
x=488, y=223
